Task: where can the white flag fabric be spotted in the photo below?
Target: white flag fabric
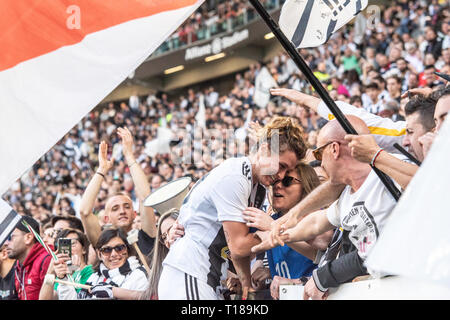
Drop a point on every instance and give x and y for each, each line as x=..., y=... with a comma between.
x=310, y=23
x=200, y=117
x=263, y=83
x=416, y=240
x=161, y=144
x=61, y=58
x=8, y=220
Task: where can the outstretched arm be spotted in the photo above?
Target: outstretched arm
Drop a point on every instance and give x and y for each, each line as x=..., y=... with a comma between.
x=141, y=184
x=89, y=220
x=301, y=99
x=308, y=228
x=322, y=196
x=364, y=148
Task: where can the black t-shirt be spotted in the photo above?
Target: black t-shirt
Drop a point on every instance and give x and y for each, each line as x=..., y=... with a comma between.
x=145, y=242
x=8, y=286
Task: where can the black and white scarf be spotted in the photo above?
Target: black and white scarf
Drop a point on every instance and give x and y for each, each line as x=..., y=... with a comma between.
x=114, y=277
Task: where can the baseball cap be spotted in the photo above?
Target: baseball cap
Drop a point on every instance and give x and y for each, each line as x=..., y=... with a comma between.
x=33, y=224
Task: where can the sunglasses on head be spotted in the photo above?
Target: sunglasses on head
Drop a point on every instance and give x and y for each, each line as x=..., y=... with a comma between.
x=108, y=250
x=287, y=181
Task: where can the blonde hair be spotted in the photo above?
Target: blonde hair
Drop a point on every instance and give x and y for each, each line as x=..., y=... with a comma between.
x=308, y=177
x=289, y=133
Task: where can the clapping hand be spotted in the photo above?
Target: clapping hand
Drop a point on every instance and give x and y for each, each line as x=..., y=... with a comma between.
x=127, y=144
x=104, y=164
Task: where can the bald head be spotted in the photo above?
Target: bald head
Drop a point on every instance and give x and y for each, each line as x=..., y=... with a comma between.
x=120, y=212
x=334, y=131
x=337, y=160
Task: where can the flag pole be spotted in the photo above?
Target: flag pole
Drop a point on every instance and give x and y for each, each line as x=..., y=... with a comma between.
x=317, y=85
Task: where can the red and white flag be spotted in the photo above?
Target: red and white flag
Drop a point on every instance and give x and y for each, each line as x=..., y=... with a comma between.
x=60, y=58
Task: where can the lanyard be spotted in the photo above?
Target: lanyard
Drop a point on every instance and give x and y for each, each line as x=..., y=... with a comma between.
x=21, y=282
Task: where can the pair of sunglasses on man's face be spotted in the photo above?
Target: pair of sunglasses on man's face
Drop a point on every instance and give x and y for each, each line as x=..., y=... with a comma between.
x=287, y=181
x=108, y=250
x=318, y=152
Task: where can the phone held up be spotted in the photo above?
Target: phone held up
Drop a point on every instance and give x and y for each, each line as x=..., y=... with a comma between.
x=65, y=246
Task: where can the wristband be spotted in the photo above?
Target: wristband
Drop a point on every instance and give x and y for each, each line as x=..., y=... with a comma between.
x=63, y=278
x=100, y=174
x=372, y=163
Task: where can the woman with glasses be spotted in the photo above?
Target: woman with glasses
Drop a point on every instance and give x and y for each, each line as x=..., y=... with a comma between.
x=118, y=274
x=60, y=268
x=288, y=264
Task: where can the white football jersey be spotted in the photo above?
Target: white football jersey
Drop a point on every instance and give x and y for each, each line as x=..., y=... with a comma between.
x=221, y=195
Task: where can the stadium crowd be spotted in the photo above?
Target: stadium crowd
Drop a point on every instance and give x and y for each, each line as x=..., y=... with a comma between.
x=213, y=18
x=96, y=178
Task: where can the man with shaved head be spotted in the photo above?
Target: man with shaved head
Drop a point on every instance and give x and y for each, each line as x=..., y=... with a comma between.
x=119, y=211
x=361, y=210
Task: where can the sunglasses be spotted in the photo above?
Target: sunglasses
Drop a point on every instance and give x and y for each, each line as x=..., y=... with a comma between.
x=287, y=181
x=108, y=250
x=317, y=152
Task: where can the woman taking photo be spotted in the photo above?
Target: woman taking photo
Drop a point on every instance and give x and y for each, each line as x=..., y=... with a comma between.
x=117, y=275
x=80, y=254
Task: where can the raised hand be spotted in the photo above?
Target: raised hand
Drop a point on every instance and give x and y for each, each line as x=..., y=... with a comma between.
x=301, y=99
x=363, y=147
x=103, y=163
x=127, y=143
x=60, y=266
x=423, y=91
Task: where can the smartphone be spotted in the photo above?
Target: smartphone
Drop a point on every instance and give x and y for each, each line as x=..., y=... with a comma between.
x=65, y=246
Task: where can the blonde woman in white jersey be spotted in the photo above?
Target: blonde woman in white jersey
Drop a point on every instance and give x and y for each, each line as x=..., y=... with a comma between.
x=212, y=216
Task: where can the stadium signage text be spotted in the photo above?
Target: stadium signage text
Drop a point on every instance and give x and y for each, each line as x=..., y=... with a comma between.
x=217, y=45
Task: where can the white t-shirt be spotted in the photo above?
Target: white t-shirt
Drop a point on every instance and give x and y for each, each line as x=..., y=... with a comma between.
x=385, y=131
x=221, y=195
x=363, y=213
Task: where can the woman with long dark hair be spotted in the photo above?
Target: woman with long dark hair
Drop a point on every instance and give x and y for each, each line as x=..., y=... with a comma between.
x=160, y=250
x=82, y=270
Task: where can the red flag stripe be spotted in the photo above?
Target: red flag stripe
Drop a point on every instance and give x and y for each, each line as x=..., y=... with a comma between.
x=33, y=28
